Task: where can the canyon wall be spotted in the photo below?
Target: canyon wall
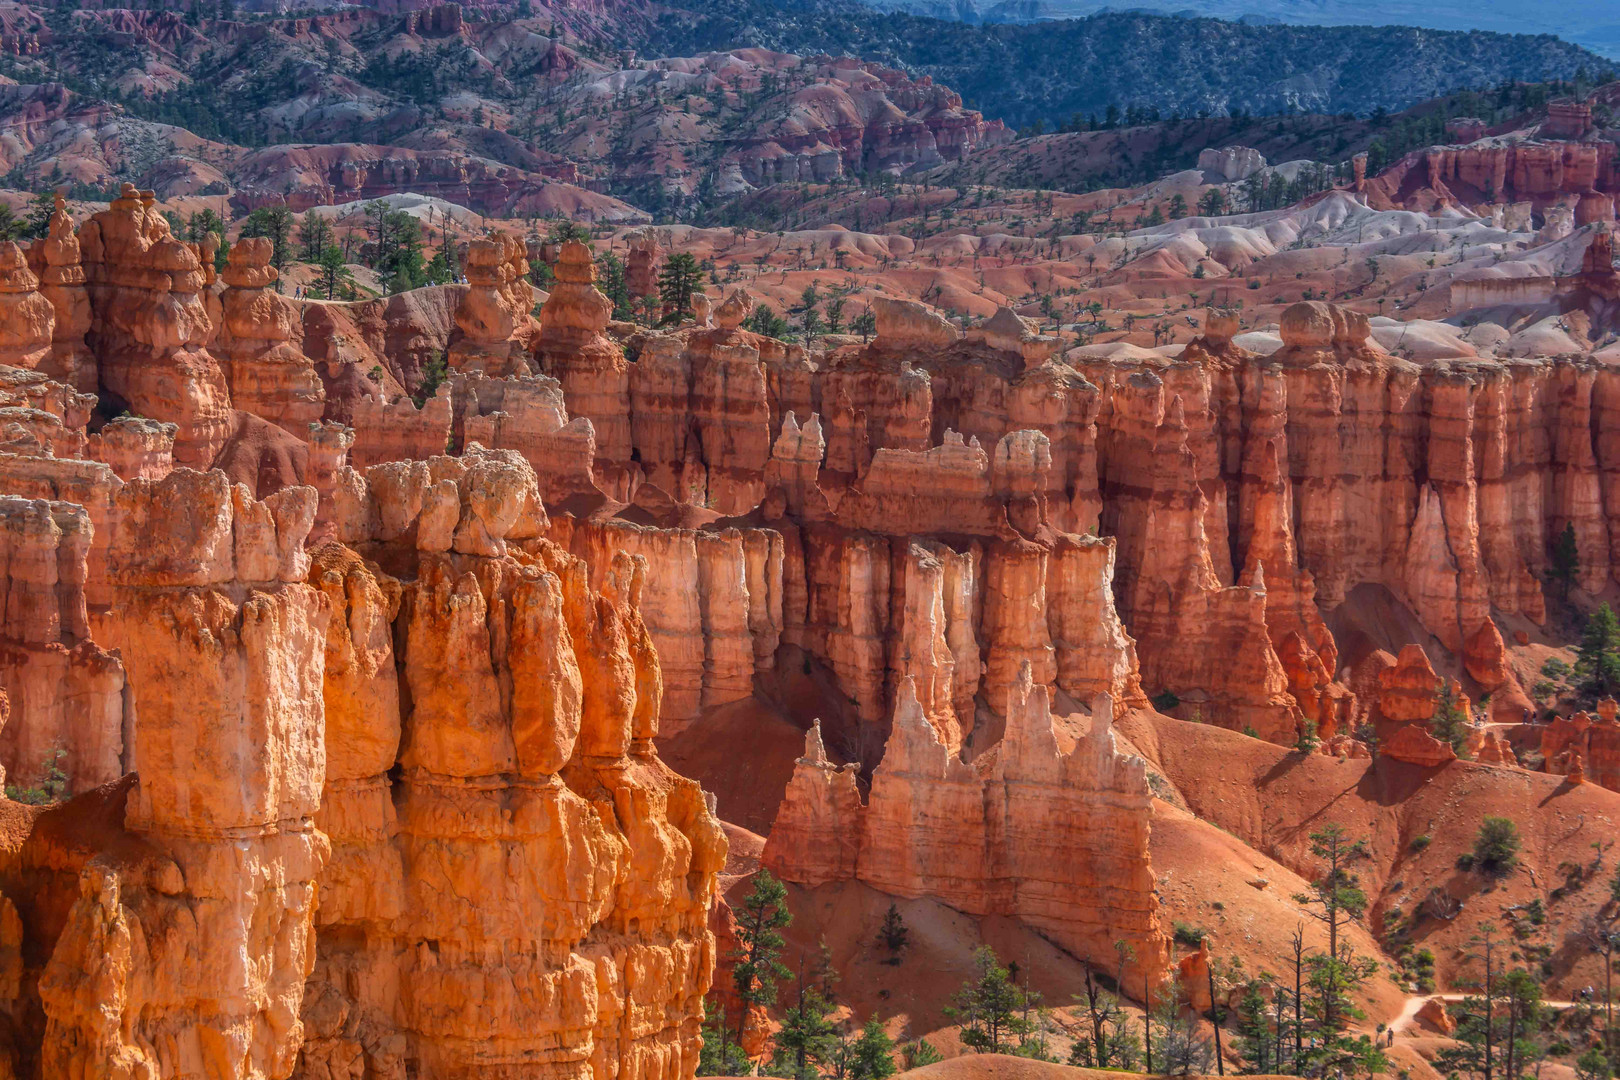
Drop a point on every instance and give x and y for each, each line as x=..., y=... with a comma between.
x=1054, y=835
x=387, y=801
x=1242, y=496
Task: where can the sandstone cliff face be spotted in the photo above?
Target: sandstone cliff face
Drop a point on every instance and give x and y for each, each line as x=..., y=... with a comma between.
x=1055, y=836
x=198, y=952
x=483, y=807
x=571, y=348
x=533, y=838
x=1538, y=172
x=266, y=373
x=66, y=693
x=56, y=259
x=150, y=325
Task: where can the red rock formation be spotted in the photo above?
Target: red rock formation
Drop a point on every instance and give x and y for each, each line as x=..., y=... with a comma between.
x=1584, y=745
x=1541, y=172
x=1435, y=1014
x=1407, y=692
x=1058, y=839
x=55, y=258
x=150, y=325
x=136, y=448
x=398, y=430
x=817, y=833
x=66, y=694
x=39, y=415
x=569, y=745
x=527, y=414
x=494, y=315
x=200, y=944
x=266, y=373
x=304, y=176
x=713, y=604
x=571, y=348
x=641, y=264
x=27, y=319
x=857, y=118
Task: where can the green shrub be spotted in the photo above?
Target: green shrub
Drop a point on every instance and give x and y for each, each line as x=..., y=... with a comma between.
x=1190, y=935
x=1496, y=847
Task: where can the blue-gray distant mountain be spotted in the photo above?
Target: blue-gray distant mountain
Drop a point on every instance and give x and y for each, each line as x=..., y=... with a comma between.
x=1048, y=71
x=1595, y=25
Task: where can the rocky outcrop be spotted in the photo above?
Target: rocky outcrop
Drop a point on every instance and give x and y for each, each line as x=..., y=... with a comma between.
x=1540, y=172
x=1056, y=836
x=816, y=836
x=1584, y=746
x=136, y=448
x=526, y=705
x=856, y=118
x=494, y=315
x=197, y=933
x=56, y=259
x=267, y=374
x=400, y=430
x=528, y=414
x=572, y=349
x=641, y=264
x=27, y=318
x=150, y=325
x=66, y=693
x=41, y=416
x=713, y=604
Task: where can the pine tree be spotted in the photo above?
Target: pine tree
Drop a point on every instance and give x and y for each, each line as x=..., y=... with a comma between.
x=334, y=272
x=756, y=968
x=1598, y=660
x=807, y=1037
x=1254, y=1030
x=1449, y=723
x=610, y=283
x=719, y=1055
x=1179, y=1048
x=314, y=237
x=275, y=223
x=1566, y=560
x=678, y=282
x=991, y=1008
x=1111, y=1044
x=872, y=1056
x=202, y=223
x=893, y=933
x=920, y=1053
x=40, y=209
x=1496, y=847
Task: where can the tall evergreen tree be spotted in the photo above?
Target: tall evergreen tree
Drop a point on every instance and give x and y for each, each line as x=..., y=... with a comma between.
x=678, y=282
x=872, y=1056
x=1566, y=560
x=757, y=967
x=992, y=1009
x=1598, y=660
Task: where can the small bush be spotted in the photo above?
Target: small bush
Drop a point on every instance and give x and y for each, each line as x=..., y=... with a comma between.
x=1419, y=843
x=1190, y=935
x=52, y=786
x=1496, y=847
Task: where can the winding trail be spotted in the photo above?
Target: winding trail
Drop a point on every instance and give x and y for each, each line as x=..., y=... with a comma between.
x=1409, y=1011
